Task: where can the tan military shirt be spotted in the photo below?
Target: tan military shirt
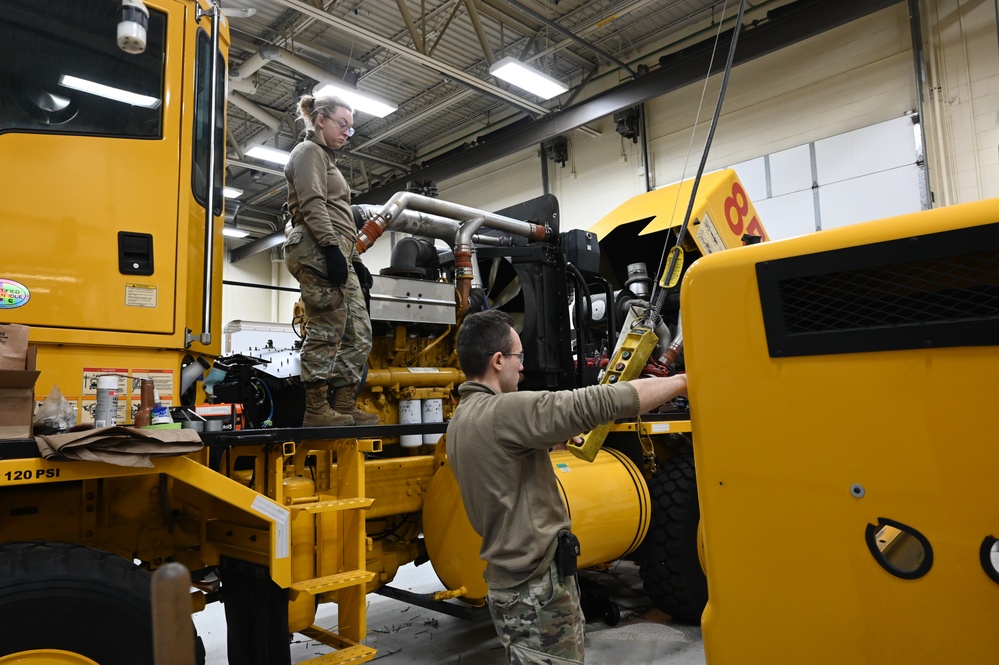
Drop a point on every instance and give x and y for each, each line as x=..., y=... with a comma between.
x=498, y=444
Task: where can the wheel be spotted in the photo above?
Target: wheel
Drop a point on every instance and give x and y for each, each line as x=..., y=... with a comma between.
x=73, y=605
x=671, y=571
x=612, y=616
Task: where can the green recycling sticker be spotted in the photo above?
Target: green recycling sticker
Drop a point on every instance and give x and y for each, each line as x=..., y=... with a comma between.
x=12, y=294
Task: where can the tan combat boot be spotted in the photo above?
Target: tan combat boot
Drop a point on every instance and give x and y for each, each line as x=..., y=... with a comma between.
x=344, y=402
x=318, y=412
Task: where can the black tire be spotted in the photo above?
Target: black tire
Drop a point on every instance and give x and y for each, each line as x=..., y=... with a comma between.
x=671, y=571
x=76, y=599
x=612, y=616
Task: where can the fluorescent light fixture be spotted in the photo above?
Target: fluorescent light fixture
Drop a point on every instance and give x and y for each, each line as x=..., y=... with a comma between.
x=106, y=91
x=231, y=192
x=233, y=232
x=360, y=101
x=269, y=154
x=527, y=78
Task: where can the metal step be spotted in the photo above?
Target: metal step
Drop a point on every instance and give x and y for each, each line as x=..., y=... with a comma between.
x=342, y=580
x=357, y=653
x=333, y=505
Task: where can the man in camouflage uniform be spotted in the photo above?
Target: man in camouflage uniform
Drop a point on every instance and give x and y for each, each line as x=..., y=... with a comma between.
x=497, y=445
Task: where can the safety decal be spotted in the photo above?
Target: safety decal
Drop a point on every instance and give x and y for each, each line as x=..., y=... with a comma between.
x=13, y=294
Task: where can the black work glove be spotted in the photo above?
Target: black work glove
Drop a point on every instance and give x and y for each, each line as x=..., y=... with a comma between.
x=363, y=275
x=336, y=265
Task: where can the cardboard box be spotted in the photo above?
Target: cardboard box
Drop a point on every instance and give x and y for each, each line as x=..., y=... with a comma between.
x=13, y=345
x=17, y=398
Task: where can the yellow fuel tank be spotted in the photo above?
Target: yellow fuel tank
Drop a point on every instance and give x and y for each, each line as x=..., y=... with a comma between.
x=608, y=502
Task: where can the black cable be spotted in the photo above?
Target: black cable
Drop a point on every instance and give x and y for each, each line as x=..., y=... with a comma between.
x=582, y=304
x=659, y=294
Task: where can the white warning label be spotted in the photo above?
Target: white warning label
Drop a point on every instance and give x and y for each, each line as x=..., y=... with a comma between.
x=140, y=295
x=707, y=235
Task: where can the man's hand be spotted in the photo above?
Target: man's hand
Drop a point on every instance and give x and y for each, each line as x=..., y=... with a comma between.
x=578, y=440
x=336, y=265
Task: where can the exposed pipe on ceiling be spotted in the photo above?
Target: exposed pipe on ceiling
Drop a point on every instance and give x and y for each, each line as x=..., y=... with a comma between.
x=289, y=59
x=255, y=110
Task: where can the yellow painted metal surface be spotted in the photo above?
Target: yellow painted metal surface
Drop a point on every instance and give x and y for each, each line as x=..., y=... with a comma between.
x=70, y=261
x=46, y=657
x=255, y=513
x=74, y=369
x=608, y=503
x=722, y=212
x=784, y=447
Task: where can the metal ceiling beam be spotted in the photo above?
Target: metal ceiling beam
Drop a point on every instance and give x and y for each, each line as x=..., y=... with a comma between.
x=425, y=60
x=413, y=119
x=579, y=40
x=783, y=27
x=501, y=15
x=593, y=25
x=254, y=167
x=480, y=32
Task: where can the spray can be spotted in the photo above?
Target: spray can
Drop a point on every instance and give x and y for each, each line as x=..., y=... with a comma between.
x=106, y=412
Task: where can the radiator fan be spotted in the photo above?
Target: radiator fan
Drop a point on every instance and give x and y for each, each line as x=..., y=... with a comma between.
x=503, y=287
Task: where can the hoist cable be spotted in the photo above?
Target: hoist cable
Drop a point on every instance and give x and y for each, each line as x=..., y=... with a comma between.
x=659, y=294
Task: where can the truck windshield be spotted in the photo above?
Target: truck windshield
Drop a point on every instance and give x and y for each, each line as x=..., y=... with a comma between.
x=61, y=71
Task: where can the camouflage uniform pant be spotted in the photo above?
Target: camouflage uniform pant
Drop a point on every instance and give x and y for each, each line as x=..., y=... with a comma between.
x=540, y=622
x=338, y=334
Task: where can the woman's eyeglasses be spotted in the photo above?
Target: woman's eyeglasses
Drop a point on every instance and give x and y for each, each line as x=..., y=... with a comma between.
x=344, y=127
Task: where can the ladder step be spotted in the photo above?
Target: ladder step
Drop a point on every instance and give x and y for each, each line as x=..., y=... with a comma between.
x=332, y=582
x=333, y=505
x=353, y=654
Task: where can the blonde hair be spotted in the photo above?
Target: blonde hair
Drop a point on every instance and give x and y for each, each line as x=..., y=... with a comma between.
x=310, y=108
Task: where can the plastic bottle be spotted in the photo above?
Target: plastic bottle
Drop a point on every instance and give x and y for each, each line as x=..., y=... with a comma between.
x=106, y=412
x=146, y=403
x=160, y=415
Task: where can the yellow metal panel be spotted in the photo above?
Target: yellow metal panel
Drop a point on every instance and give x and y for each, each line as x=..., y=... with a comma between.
x=73, y=370
x=722, y=212
x=781, y=443
x=103, y=186
x=34, y=471
x=107, y=185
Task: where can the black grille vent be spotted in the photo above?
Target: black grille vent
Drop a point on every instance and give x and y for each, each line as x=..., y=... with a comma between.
x=961, y=288
x=920, y=292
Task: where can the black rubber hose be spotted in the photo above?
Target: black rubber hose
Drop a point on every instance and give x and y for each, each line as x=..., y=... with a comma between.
x=582, y=318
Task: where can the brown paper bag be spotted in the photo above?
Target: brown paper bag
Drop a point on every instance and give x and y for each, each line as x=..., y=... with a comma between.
x=13, y=346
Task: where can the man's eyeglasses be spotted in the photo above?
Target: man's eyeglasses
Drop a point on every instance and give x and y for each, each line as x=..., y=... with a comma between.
x=344, y=127
x=518, y=356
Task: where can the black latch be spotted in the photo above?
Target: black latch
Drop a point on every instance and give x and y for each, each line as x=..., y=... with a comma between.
x=135, y=253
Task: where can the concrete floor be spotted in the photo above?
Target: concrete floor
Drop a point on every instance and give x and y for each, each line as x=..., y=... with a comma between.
x=405, y=633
